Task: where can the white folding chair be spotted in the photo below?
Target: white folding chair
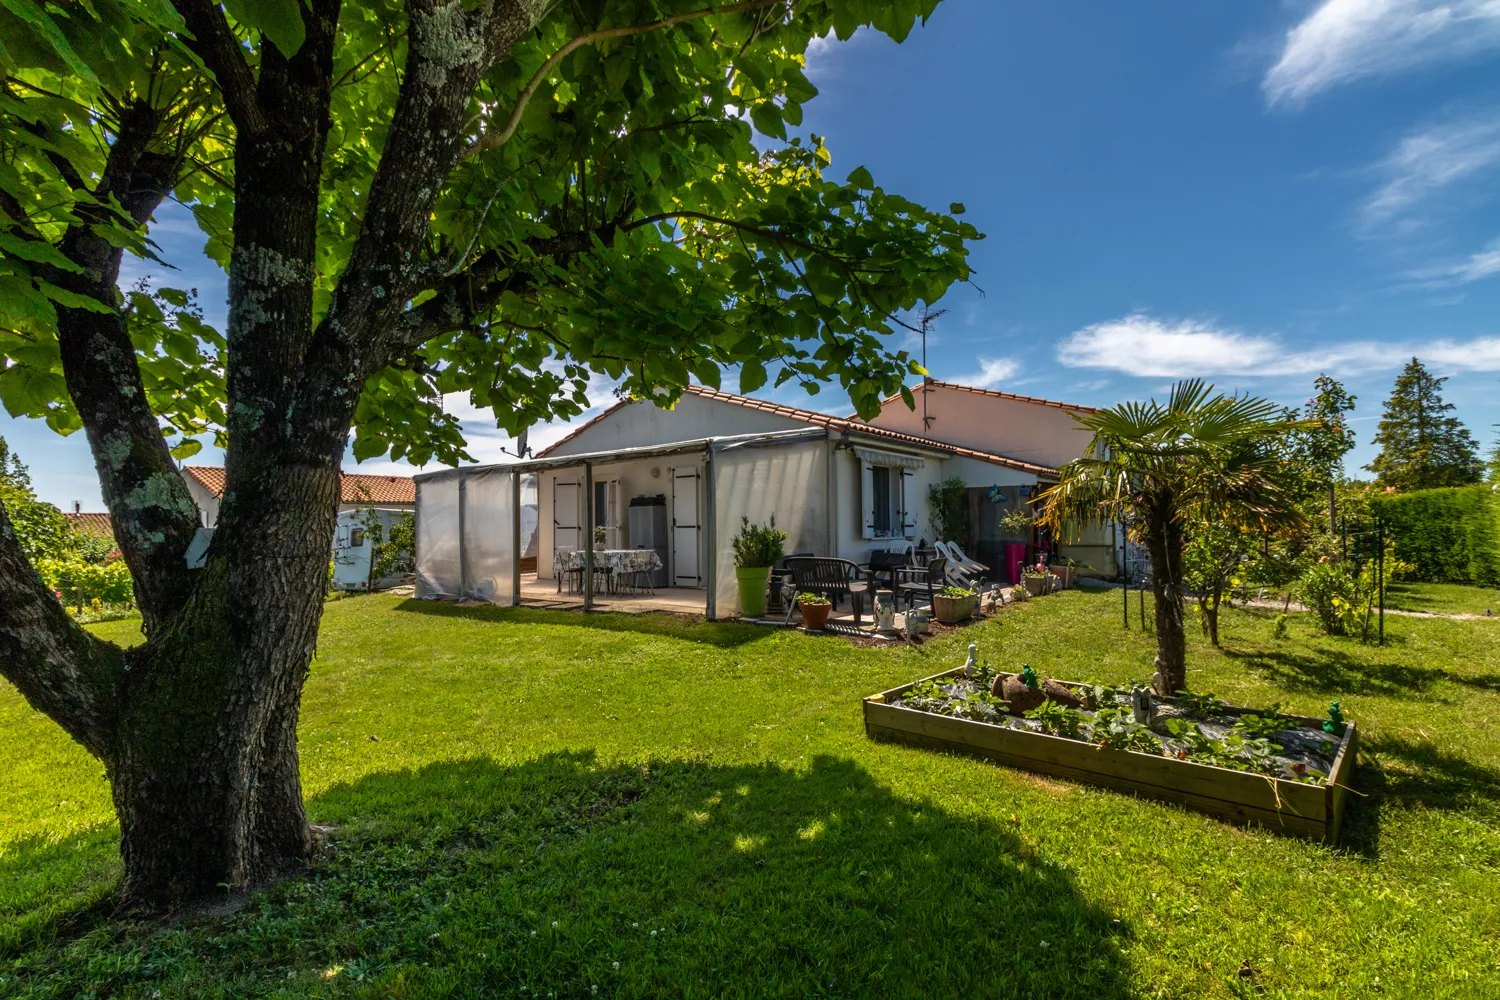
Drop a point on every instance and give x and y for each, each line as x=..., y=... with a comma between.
x=955, y=570
x=973, y=566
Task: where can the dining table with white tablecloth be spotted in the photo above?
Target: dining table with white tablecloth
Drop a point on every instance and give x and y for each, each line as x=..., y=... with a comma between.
x=613, y=568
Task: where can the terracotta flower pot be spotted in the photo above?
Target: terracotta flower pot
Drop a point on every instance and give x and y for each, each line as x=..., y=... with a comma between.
x=815, y=616
x=1062, y=694
x=1067, y=574
x=1020, y=698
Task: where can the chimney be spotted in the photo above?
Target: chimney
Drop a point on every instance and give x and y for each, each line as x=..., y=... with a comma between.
x=77, y=507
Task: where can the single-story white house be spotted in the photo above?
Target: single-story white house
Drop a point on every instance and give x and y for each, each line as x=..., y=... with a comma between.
x=1028, y=428
x=356, y=491
x=837, y=486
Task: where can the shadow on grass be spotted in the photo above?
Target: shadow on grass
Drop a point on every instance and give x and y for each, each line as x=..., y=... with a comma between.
x=1397, y=773
x=723, y=634
x=1327, y=671
x=678, y=879
x=53, y=888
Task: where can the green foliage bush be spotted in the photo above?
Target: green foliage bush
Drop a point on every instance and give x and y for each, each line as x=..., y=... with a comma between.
x=949, y=503
x=756, y=546
x=80, y=583
x=1330, y=593
x=1448, y=535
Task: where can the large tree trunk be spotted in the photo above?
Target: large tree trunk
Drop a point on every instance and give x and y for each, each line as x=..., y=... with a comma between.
x=1165, y=548
x=204, y=768
x=197, y=728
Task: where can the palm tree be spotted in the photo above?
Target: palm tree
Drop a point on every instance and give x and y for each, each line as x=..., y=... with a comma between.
x=1202, y=458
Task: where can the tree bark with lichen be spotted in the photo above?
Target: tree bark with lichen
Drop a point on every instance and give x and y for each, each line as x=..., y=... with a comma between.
x=197, y=726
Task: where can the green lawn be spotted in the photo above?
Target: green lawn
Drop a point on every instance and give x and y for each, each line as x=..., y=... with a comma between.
x=534, y=804
x=1442, y=598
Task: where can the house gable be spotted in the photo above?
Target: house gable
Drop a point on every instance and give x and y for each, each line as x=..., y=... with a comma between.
x=1028, y=428
x=640, y=424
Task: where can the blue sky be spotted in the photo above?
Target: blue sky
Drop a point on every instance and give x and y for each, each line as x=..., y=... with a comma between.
x=1249, y=192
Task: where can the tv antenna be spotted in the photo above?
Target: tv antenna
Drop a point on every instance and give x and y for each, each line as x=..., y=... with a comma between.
x=929, y=316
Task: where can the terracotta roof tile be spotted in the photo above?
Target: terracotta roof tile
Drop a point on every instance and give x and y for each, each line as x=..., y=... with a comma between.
x=833, y=423
x=354, y=487
x=92, y=524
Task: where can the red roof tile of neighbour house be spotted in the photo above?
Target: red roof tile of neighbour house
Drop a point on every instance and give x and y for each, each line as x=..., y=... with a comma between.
x=92, y=524
x=354, y=487
x=1037, y=400
x=832, y=423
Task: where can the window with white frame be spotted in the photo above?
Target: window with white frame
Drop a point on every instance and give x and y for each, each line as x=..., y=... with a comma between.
x=887, y=496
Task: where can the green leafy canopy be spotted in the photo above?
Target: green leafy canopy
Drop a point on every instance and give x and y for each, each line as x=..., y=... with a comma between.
x=631, y=122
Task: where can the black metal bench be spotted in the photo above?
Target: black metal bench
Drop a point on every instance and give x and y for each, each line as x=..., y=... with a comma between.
x=833, y=578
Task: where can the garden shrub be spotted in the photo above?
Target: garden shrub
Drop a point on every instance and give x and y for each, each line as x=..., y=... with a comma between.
x=80, y=583
x=1447, y=535
x=1331, y=594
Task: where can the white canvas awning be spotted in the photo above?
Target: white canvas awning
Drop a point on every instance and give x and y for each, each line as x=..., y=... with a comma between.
x=875, y=456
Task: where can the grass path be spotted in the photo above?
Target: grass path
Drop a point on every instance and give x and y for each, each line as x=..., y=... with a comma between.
x=522, y=797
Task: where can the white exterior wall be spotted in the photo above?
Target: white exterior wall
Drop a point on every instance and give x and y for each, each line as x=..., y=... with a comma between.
x=208, y=504
x=640, y=424
x=848, y=505
x=1030, y=432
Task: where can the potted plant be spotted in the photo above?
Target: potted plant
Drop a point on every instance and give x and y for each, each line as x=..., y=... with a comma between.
x=954, y=604
x=1017, y=523
x=815, y=609
x=757, y=549
x=1035, y=579
x=1068, y=574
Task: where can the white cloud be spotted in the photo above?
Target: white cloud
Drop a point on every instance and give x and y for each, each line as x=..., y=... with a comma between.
x=992, y=373
x=1475, y=267
x=1346, y=40
x=1142, y=346
x=1429, y=160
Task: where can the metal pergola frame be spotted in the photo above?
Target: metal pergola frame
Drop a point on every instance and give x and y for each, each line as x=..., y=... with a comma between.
x=708, y=447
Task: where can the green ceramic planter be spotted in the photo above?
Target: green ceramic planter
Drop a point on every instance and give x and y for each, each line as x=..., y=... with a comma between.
x=753, y=583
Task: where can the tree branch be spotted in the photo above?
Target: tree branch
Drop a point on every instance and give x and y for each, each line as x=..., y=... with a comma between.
x=58, y=667
x=498, y=138
x=215, y=44
x=153, y=513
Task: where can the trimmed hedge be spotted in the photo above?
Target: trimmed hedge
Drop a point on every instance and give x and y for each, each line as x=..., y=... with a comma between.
x=1448, y=535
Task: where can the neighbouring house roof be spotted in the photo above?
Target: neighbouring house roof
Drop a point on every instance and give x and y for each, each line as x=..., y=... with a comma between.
x=1036, y=400
x=92, y=524
x=354, y=487
x=833, y=423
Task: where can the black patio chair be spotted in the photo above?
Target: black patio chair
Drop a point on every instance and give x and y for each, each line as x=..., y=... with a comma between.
x=833, y=578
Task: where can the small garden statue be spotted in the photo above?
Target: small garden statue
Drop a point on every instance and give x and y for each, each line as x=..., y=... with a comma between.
x=972, y=663
x=1029, y=678
x=1335, y=722
x=1140, y=705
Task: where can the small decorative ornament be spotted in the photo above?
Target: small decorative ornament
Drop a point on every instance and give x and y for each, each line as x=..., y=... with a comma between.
x=885, y=612
x=1140, y=705
x=1335, y=722
x=972, y=663
x=1029, y=677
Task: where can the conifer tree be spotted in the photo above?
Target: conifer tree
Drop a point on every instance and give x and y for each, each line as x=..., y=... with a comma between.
x=1421, y=445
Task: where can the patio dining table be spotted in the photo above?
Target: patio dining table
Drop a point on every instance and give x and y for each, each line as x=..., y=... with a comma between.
x=611, y=566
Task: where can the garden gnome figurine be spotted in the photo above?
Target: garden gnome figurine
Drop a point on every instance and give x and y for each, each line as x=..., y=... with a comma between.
x=971, y=665
x=1140, y=705
x=1334, y=724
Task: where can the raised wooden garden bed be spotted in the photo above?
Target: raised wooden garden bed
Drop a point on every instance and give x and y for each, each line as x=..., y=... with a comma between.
x=1290, y=807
